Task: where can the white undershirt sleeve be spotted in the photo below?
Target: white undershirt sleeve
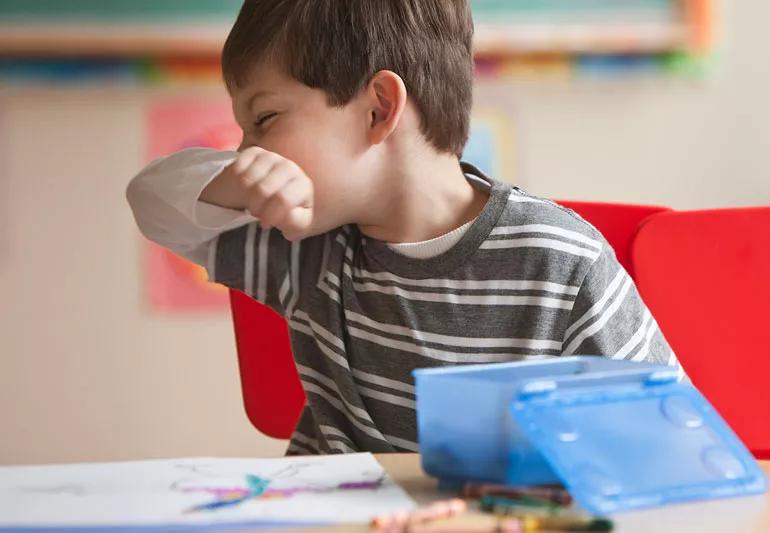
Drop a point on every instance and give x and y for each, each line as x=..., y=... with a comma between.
x=165, y=200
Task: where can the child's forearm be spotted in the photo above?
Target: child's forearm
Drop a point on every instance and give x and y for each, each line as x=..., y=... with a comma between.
x=226, y=190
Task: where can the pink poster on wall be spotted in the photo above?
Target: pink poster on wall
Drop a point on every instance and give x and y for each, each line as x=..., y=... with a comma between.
x=174, y=284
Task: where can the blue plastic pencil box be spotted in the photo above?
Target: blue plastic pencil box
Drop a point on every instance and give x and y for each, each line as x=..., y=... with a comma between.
x=620, y=435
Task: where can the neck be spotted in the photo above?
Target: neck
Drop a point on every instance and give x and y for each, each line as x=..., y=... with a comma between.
x=421, y=199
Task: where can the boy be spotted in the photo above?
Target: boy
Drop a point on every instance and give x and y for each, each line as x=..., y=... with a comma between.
x=346, y=209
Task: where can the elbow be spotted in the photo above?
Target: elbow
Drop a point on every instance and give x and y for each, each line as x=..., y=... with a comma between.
x=142, y=203
x=136, y=190
x=133, y=192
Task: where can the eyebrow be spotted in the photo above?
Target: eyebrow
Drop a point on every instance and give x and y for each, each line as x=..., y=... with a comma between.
x=256, y=96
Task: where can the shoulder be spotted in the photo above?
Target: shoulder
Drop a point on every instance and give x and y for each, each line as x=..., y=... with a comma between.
x=526, y=214
x=540, y=239
x=524, y=208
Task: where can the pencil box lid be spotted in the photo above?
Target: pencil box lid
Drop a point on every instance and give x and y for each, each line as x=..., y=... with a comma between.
x=636, y=445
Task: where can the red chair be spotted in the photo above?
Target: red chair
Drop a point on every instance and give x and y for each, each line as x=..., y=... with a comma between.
x=706, y=277
x=617, y=222
x=272, y=393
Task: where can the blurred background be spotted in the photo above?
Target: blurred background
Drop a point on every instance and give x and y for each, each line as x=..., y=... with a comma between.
x=111, y=349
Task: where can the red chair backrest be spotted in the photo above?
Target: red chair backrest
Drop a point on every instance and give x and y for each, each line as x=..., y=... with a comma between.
x=272, y=393
x=706, y=277
x=617, y=222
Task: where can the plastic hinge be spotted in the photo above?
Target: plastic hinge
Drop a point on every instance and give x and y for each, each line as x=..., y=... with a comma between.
x=664, y=377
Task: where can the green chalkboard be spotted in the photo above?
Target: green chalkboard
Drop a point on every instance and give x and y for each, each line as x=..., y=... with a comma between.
x=119, y=10
x=545, y=9
x=484, y=7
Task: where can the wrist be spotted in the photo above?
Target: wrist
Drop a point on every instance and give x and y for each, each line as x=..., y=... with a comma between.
x=225, y=190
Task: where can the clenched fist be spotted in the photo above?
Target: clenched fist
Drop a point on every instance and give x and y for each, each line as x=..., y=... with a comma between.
x=273, y=189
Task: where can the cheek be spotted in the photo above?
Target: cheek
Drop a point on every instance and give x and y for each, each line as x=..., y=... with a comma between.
x=308, y=155
x=317, y=150
x=289, y=140
x=325, y=143
x=322, y=165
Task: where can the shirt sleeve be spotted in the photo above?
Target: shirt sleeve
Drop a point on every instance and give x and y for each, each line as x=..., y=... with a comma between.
x=262, y=264
x=230, y=244
x=610, y=319
x=165, y=200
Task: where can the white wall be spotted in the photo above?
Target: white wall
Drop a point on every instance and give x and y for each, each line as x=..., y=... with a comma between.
x=681, y=142
x=86, y=373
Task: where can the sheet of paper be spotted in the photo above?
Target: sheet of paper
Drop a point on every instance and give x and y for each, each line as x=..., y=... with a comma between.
x=339, y=489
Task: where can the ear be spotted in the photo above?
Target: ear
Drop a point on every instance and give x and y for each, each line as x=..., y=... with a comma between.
x=386, y=96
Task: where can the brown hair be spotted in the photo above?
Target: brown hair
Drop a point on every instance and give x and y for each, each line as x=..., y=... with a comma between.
x=338, y=45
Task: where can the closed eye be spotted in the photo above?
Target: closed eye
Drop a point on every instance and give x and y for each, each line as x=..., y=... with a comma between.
x=264, y=119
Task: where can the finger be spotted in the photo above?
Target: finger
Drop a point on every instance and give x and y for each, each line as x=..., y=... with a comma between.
x=297, y=224
x=262, y=191
x=260, y=169
x=244, y=160
x=296, y=192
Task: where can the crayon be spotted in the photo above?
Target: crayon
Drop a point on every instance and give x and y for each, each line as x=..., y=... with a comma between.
x=466, y=523
x=434, y=511
x=501, y=526
x=564, y=523
x=543, y=522
x=501, y=504
x=556, y=495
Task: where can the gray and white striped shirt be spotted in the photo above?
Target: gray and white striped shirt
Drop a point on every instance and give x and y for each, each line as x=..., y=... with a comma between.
x=528, y=278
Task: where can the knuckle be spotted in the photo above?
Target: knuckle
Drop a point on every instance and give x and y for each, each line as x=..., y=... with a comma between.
x=269, y=158
x=250, y=173
x=243, y=160
x=283, y=199
x=251, y=151
x=247, y=178
x=288, y=164
x=262, y=189
x=307, y=186
x=239, y=166
x=291, y=232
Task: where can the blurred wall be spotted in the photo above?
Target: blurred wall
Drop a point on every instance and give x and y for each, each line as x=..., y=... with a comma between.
x=682, y=142
x=87, y=374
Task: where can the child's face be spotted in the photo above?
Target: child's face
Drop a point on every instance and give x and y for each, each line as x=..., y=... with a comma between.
x=284, y=116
